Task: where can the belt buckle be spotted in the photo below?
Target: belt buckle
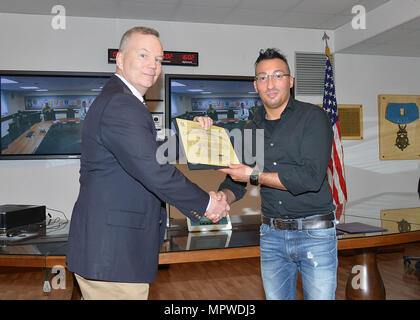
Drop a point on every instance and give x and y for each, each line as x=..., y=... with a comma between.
x=283, y=224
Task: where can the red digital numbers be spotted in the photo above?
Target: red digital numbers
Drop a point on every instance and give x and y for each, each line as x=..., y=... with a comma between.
x=168, y=56
x=188, y=57
x=112, y=55
x=180, y=58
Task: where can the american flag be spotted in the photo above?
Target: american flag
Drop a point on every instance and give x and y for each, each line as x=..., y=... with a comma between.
x=335, y=172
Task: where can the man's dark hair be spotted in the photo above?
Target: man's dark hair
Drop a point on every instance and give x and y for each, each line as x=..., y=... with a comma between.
x=271, y=53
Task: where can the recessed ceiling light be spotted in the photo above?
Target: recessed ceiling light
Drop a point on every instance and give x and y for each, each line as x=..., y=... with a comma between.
x=32, y=88
x=5, y=80
x=177, y=84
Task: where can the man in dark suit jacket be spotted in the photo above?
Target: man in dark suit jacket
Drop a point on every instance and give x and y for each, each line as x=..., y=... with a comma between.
x=118, y=221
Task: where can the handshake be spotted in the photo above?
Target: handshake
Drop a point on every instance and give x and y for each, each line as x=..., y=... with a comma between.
x=219, y=206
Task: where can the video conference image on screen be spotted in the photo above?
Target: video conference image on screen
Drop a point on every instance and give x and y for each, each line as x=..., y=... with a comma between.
x=231, y=103
x=43, y=115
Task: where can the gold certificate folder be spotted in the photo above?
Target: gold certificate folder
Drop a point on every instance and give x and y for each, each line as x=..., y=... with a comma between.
x=206, y=149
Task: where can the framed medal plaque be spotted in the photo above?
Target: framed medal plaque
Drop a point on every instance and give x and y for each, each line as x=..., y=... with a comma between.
x=399, y=127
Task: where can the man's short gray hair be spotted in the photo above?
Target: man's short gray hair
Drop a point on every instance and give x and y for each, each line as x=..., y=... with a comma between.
x=142, y=30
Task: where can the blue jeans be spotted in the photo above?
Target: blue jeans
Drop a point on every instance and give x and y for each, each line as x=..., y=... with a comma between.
x=311, y=252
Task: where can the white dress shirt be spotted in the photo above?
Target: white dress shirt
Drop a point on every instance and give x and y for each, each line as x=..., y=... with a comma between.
x=243, y=114
x=132, y=88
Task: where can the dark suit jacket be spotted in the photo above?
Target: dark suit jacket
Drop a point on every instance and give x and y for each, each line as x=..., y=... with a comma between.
x=119, y=218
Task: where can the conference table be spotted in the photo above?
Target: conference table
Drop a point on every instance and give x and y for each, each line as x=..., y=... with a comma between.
x=393, y=219
x=31, y=139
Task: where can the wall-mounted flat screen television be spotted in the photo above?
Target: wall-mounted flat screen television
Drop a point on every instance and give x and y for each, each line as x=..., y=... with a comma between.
x=42, y=113
x=221, y=97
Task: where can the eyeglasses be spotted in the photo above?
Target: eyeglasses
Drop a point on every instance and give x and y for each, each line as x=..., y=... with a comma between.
x=277, y=75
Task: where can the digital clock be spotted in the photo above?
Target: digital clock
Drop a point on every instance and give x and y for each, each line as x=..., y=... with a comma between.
x=179, y=58
x=112, y=55
x=174, y=58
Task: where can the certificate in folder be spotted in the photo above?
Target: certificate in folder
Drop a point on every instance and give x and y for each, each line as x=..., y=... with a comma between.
x=205, y=149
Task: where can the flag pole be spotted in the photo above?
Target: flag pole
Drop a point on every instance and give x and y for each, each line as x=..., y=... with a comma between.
x=335, y=172
x=327, y=49
x=326, y=38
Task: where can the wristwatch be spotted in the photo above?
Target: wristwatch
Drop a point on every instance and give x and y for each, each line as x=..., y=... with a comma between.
x=253, y=178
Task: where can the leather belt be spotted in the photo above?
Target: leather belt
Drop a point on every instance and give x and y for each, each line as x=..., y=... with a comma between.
x=320, y=222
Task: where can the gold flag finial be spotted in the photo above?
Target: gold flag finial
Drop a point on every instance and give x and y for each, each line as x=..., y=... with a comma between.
x=327, y=49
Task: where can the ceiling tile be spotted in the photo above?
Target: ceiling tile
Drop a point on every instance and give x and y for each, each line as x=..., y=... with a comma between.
x=92, y=8
x=254, y=17
x=372, y=4
x=174, y=2
x=26, y=6
x=303, y=20
x=335, y=22
x=268, y=5
x=199, y=14
x=326, y=6
x=212, y=3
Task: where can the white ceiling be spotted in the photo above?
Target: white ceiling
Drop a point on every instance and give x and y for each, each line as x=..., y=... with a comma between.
x=397, y=35
x=402, y=40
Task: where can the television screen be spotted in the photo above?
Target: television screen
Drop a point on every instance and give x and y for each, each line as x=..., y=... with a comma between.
x=220, y=97
x=42, y=113
x=229, y=100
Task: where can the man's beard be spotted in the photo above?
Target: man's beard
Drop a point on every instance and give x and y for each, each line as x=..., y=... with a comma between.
x=275, y=103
